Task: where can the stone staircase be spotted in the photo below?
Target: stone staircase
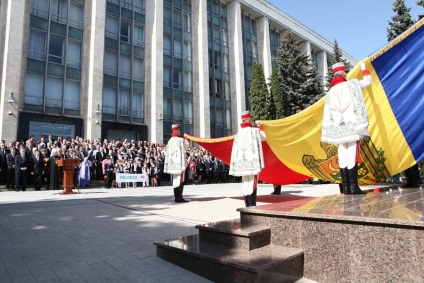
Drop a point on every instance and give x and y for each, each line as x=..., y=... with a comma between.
x=228, y=251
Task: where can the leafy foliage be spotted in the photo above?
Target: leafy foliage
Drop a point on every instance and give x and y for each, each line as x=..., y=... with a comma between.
x=401, y=21
x=277, y=95
x=258, y=95
x=299, y=79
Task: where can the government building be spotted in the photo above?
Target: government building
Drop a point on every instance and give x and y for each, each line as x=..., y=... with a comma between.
x=132, y=68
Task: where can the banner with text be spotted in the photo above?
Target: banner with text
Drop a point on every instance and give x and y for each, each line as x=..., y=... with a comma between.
x=125, y=177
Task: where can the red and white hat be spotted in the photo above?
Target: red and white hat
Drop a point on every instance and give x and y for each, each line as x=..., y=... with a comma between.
x=245, y=114
x=338, y=67
x=175, y=127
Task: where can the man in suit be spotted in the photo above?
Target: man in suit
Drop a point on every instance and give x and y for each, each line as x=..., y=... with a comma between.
x=22, y=165
x=10, y=160
x=3, y=163
x=109, y=173
x=37, y=169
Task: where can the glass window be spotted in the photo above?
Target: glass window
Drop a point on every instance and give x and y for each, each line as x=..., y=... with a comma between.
x=227, y=90
x=177, y=78
x=125, y=66
x=216, y=35
x=177, y=107
x=167, y=15
x=138, y=35
x=40, y=8
x=177, y=48
x=73, y=59
x=126, y=4
x=59, y=11
x=112, y=27
x=37, y=43
x=188, y=112
x=166, y=76
x=177, y=19
x=138, y=69
x=125, y=31
x=76, y=15
x=54, y=92
x=167, y=45
x=217, y=88
x=187, y=22
x=226, y=67
x=167, y=109
x=139, y=6
x=228, y=119
x=187, y=51
x=187, y=81
x=123, y=102
x=72, y=95
x=224, y=37
x=109, y=101
x=110, y=63
x=217, y=60
x=56, y=48
x=34, y=89
x=137, y=105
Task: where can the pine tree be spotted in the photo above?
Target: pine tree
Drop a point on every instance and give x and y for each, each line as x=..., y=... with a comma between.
x=420, y=3
x=276, y=94
x=258, y=95
x=400, y=22
x=299, y=80
x=338, y=57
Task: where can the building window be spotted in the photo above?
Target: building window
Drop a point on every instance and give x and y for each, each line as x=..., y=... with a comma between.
x=177, y=78
x=72, y=95
x=54, y=92
x=110, y=63
x=37, y=45
x=125, y=66
x=34, y=89
x=138, y=35
x=59, y=11
x=137, y=105
x=109, y=101
x=56, y=48
x=73, y=58
x=125, y=31
x=138, y=68
x=123, y=103
x=76, y=15
x=112, y=27
x=40, y=8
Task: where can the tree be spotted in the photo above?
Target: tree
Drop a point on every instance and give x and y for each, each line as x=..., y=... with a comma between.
x=420, y=3
x=400, y=22
x=338, y=57
x=277, y=95
x=299, y=79
x=258, y=94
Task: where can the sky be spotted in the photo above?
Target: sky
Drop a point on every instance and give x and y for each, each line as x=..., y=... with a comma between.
x=359, y=26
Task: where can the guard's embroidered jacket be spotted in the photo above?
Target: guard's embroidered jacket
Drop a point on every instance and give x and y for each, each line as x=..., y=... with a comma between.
x=246, y=156
x=175, y=161
x=345, y=114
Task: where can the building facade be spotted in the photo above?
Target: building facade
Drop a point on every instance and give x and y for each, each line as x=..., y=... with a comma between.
x=132, y=68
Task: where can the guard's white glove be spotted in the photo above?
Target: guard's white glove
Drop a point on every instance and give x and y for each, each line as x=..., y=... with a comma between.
x=257, y=123
x=363, y=67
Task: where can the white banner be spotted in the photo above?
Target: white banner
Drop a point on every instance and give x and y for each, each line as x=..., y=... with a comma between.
x=125, y=177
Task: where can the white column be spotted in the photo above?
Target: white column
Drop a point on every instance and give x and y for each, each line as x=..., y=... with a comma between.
x=201, y=103
x=235, y=40
x=322, y=65
x=306, y=48
x=264, y=47
x=92, y=70
x=153, y=54
x=15, y=27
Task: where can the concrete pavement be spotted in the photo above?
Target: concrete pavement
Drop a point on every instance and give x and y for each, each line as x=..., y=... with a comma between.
x=107, y=235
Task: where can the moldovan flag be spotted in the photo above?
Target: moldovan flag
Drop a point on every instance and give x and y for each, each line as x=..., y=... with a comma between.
x=395, y=105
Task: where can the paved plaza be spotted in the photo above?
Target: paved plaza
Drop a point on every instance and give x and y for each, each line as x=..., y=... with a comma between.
x=107, y=235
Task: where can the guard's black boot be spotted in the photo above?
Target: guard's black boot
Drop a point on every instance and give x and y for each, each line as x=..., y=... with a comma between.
x=246, y=200
x=278, y=190
x=181, y=193
x=177, y=194
x=252, y=198
x=344, y=173
x=353, y=181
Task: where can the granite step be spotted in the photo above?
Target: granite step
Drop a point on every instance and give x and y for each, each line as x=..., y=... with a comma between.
x=231, y=233
x=219, y=263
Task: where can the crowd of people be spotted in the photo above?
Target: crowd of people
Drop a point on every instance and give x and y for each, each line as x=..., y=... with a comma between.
x=35, y=162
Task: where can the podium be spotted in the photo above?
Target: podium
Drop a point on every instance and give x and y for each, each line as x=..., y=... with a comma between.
x=68, y=173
